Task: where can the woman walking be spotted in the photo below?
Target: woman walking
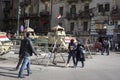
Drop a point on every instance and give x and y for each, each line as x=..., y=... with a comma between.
x=80, y=54
x=71, y=48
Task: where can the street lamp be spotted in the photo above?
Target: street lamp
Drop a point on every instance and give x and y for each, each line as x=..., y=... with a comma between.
x=18, y=22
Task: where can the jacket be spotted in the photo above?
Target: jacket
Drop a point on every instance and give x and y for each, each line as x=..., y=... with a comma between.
x=26, y=48
x=80, y=55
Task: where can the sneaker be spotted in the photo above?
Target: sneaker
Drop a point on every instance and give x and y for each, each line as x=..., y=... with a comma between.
x=29, y=74
x=21, y=77
x=67, y=65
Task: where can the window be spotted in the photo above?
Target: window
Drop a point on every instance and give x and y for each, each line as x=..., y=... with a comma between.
x=61, y=10
x=73, y=9
x=107, y=7
x=100, y=8
x=72, y=26
x=85, y=26
x=60, y=24
x=86, y=7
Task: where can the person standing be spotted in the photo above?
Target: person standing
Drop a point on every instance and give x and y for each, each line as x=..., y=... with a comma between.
x=105, y=47
x=80, y=54
x=97, y=46
x=71, y=48
x=27, y=51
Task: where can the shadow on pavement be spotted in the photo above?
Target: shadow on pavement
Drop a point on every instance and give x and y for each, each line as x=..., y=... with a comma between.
x=6, y=68
x=7, y=73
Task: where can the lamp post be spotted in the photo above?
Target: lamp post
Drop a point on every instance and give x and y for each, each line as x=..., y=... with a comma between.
x=51, y=5
x=18, y=21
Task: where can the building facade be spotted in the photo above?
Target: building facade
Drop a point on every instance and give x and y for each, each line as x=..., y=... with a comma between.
x=115, y=16
x=82, y=18
x=101, y=21
x=8, y=14
x=75, y=16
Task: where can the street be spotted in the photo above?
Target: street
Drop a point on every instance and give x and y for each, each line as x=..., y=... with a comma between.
x=99, y=67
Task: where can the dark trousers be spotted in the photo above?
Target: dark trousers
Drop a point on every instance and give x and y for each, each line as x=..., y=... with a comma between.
x=71, y=54
x=82, y=62
x=105, y=49
x=19, y=62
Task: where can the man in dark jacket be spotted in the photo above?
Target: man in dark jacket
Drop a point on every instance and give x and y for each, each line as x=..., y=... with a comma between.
x=20, y=56
x=26, y=52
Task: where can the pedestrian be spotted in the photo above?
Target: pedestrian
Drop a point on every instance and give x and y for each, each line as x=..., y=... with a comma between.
x=20, y=54
x=27, y=51
x=105, y=47
x=97, y=46
x=71, y=48
x=80, y=54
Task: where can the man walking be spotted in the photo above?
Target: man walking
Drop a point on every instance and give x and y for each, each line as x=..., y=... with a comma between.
x=20, y=54
x=27, y=51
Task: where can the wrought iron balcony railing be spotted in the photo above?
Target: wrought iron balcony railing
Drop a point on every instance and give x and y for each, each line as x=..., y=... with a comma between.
x=71, y=16
x=7, y=9
x=44, y=13
x=84, y=14
x=86, y=0
x=71, y=1
x=45, y=0
x=101, y=31
x=25, y=3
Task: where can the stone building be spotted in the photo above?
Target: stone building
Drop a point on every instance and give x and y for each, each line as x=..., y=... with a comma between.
x=115, y=16
x=9, y=15
x=75, y=16
x=101, y=22
x=82, y=18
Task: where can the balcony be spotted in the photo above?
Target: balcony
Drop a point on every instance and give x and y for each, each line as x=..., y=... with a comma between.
x=84, y=33
x=71, y=16
x=71, y=1
x=101, y=31
x=27, y=2
x=29, y=16
x=86, y=1
x=6, y=0
x=6, y=10
x=44, y=13
x=10, y=19
x=84, y=14
x=115, y=14
x=45, y=0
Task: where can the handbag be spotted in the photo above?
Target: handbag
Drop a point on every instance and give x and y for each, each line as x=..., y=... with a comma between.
x=83, y=50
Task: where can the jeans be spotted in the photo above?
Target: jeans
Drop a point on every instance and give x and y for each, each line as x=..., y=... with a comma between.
x=71, y=54
x=26, y=63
